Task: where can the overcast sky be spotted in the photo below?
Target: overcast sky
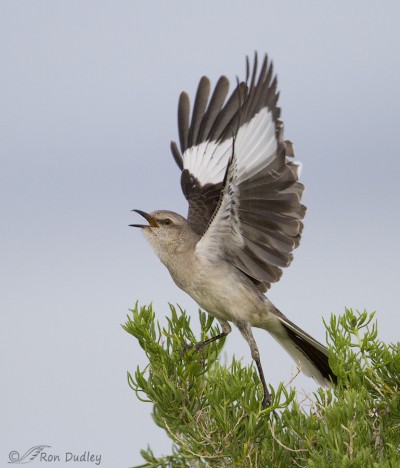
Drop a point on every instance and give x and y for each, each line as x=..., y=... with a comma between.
x=88, y=97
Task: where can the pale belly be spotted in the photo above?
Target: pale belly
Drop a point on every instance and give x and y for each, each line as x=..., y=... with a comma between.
x=222, y=292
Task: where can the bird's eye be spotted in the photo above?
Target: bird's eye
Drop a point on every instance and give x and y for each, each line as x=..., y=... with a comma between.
x=167, y=221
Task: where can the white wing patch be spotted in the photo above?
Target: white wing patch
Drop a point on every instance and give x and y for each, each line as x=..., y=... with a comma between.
x=255, y=145
x=223, y=234
x=208, y=161
x=255, y=148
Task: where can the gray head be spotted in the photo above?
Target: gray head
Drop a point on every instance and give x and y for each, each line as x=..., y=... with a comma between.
x=168, y=232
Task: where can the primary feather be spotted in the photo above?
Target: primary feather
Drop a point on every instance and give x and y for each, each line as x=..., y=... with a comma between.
x=242, y=188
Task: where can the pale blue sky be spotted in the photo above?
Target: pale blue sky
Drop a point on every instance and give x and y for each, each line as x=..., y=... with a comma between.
x=88, y=96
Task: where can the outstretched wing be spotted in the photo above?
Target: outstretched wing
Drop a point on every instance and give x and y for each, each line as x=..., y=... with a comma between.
x=206, y=145
x=243, y=192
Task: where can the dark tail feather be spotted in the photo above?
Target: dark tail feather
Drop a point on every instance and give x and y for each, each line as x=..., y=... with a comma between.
x=309, y=354
x=317, y=356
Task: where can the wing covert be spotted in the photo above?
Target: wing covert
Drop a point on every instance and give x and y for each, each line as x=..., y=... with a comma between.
x=243, y=190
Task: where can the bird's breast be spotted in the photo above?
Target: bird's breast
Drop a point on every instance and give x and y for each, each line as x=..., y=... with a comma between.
x=216, y=287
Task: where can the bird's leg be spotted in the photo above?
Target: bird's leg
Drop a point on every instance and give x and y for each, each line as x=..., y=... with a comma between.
x=245, y=330
x=226, y=329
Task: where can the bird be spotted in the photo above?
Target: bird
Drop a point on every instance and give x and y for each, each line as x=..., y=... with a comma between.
x=244, y=216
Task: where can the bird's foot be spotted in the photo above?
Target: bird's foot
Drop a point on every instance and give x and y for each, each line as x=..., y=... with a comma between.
x=186, y=347
x=266, y=401
x=198, y=347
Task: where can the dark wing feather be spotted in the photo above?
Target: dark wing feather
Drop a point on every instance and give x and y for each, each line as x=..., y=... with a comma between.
x=203, y=200
x=223, y=125
x=214, y=108
x=200, y=105
x=253, y=216
x=270, y=216
x=183, y=120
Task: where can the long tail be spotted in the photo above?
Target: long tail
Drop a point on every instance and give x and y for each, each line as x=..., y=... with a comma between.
x=310, y=355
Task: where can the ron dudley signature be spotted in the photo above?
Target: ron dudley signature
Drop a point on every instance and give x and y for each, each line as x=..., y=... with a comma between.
x=42, y=454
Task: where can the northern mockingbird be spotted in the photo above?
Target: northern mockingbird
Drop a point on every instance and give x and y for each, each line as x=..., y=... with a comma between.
x=244, y=215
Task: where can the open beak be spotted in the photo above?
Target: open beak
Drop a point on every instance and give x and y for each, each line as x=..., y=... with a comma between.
x=150, y=219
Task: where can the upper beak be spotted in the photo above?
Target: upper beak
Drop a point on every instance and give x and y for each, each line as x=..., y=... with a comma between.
x=150, y=219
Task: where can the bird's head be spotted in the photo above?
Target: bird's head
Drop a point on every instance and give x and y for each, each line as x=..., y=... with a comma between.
x=167, y=232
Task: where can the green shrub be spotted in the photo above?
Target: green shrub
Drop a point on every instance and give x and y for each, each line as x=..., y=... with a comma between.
x=213, y=413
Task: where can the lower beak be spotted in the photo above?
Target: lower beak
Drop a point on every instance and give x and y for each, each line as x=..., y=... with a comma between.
x=150, y=219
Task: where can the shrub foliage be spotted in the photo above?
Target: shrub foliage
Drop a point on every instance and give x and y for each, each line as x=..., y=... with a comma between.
x=213, y=413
